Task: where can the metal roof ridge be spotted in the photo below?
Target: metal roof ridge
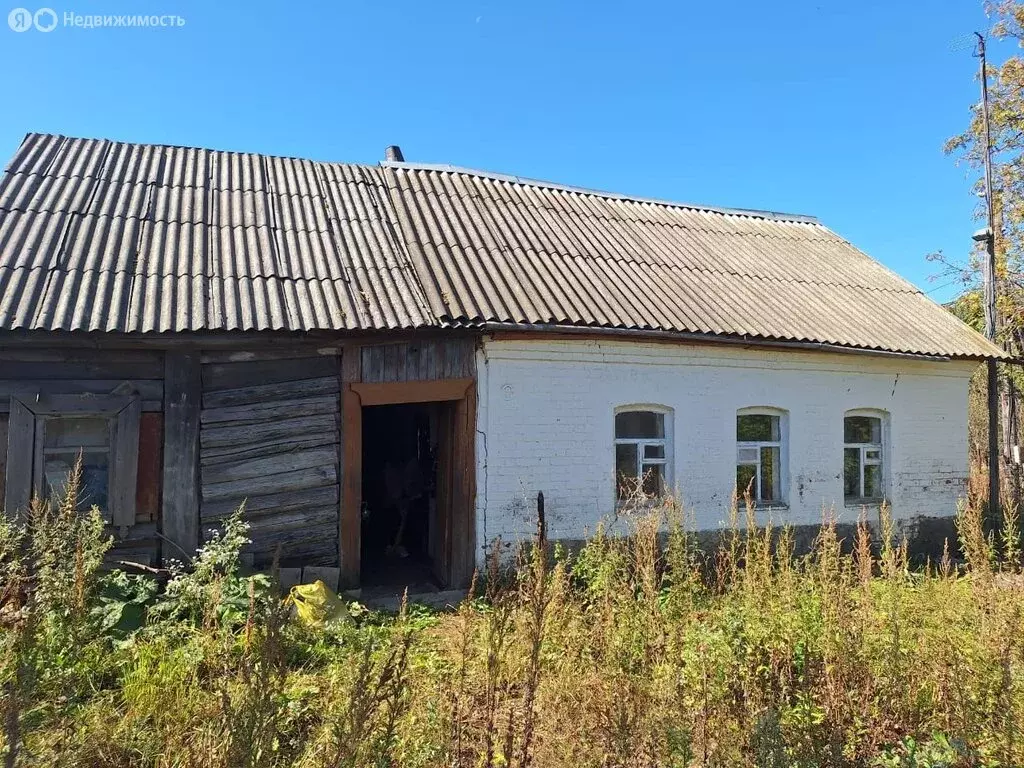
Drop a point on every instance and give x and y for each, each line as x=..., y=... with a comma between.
x=163, y=145
x=798, y=218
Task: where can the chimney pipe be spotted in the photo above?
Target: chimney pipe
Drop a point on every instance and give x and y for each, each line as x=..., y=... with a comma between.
x=394, y=154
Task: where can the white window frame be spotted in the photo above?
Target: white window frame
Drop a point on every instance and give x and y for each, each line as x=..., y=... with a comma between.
x=782, y=444
x=864, y=448
x=665, y=442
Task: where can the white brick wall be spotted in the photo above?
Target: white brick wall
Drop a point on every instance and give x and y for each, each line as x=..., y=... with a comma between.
x=546, y=423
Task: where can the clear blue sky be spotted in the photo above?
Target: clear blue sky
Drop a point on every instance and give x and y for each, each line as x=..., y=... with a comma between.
x=834, y=109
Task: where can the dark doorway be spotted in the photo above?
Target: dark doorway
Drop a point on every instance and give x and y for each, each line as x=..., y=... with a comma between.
x=399, y=514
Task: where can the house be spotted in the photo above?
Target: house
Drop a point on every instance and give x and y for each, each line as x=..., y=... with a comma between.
x=387, y=363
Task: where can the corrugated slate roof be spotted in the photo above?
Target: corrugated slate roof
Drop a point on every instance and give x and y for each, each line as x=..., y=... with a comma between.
x=106, y=236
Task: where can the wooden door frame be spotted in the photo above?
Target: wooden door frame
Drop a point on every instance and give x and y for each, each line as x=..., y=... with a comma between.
x=355, y=395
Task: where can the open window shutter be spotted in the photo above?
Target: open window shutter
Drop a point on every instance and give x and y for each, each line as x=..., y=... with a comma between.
x=20, y=439
x=124, y=470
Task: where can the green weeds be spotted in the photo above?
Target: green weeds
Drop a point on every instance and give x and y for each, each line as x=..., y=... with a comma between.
x=643, y=650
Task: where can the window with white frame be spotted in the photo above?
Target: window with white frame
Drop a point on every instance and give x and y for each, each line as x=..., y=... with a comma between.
x=760, y=455
x=642, y=453
x=863, y=457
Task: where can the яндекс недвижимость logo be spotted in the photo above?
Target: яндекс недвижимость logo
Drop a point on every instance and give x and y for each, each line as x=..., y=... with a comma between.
x=46, y=20
x=22, y=20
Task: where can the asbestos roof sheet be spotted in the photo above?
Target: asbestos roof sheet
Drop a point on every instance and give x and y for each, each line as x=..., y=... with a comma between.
x=98, y=235
x=106, y=236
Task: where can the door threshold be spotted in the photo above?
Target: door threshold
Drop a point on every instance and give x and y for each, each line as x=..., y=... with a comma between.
x=390, y=600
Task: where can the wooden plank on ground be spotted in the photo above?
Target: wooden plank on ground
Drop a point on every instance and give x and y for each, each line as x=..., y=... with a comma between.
x=182, y=386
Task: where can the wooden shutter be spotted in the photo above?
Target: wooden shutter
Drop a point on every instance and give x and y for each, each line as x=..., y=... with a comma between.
x=20, y=440
x=125, y=464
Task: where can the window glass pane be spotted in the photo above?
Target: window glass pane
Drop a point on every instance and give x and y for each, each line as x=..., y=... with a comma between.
x=654, y=451
x=654, y=480
x=86, y=432
x=770, y=486
x=757, y=428
x=862, y=429
x=873, y=455
x=746, y=455
x=625, y=470
x=745, y=474
x=95, y=476
x=851, y=472
x=640, y=424
x=873, y=481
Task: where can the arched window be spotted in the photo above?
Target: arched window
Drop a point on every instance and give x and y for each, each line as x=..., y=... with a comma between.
x=643, y=452
x=864, y=456
x=761, y=454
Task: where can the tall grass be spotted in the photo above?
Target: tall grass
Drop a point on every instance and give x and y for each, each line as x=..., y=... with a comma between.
x=639, y=650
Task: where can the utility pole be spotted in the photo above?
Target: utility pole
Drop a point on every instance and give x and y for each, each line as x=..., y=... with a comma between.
x=989, y=237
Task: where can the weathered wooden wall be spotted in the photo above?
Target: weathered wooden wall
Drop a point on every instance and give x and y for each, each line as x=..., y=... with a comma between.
x=260, y=424
x=419, y=361
x=75, y=371
x=269, y=436
x=3, y=455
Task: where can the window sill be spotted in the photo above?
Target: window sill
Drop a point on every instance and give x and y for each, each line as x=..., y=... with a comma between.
x=860, y=503
x=771, y=506
x=646, y=505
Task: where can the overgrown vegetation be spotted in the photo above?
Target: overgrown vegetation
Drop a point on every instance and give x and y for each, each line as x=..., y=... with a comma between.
x=637, y=651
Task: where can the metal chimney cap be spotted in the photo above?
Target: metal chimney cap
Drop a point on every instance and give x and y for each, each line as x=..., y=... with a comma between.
x=393, y=153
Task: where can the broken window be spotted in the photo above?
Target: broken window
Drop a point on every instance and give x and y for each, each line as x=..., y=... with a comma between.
x=641, y=454
x=863, y=461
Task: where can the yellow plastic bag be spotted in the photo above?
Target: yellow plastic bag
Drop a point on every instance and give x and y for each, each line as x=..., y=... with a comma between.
x=315, y=604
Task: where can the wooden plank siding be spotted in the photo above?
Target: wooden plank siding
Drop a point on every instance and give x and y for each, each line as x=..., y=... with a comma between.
x=62, y=371
x=350, y=520
x=418, y=361
x=147, y=492
x=3, y=457
x=183, y=390
x=269, y=438
x=276, y=424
